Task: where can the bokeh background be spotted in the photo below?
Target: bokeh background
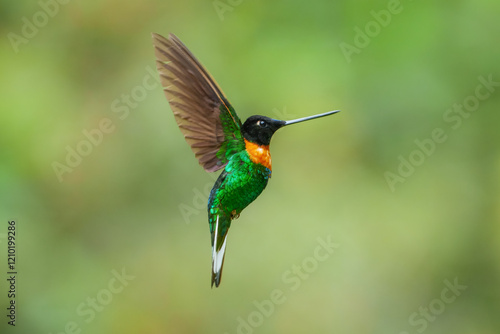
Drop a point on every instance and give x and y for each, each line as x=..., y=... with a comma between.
x=134, y=204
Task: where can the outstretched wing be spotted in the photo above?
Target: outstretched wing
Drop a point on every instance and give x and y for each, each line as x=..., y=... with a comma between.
x=204, y=115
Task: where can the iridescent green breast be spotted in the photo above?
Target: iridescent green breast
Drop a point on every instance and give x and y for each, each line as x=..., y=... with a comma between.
x=239, y=184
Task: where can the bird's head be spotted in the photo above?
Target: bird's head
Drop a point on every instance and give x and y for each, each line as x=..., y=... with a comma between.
x=259, y=129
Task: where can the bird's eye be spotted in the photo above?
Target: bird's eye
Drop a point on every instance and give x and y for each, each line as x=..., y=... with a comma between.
x=262, y=124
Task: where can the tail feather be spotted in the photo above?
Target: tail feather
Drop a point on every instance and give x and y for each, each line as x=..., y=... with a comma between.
x=219, y=238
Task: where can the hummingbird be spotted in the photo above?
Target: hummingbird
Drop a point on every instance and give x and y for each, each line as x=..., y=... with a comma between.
x=218, y=138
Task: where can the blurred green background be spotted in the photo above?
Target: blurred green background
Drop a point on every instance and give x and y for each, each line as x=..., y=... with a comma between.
x=408, y=222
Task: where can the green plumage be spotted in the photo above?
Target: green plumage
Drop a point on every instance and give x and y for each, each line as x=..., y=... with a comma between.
x=238, y=185
x=233, y=139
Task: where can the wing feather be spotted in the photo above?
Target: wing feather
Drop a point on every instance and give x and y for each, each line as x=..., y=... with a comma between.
x=204, y=115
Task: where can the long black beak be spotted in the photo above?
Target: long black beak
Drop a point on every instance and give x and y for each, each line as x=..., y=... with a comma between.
x=298, y=120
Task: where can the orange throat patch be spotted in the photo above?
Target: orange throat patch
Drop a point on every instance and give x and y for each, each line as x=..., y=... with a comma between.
x=259, y=154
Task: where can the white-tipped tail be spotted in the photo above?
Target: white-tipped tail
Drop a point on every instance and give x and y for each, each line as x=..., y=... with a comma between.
x=217, y=256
